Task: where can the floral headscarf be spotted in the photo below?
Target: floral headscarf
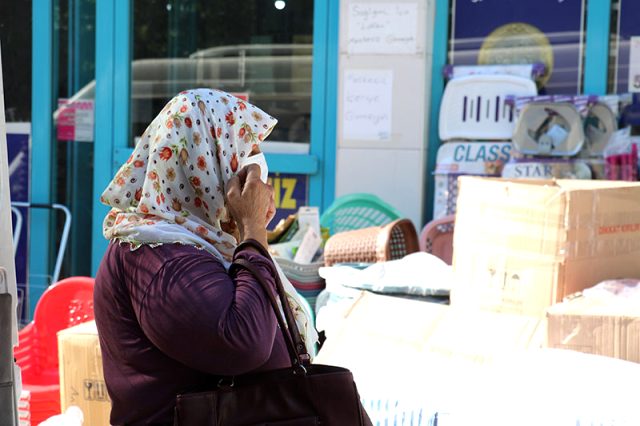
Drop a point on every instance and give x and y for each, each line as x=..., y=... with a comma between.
x=171, y=189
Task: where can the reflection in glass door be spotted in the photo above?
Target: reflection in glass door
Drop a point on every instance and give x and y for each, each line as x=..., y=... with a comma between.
x=62, y=162
x=257, y=49
x=74, y=26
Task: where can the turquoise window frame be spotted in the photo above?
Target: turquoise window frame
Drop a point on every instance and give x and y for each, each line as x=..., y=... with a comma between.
x=596, y=61
x=113, y=71
x=324, y=98
x=439, y=60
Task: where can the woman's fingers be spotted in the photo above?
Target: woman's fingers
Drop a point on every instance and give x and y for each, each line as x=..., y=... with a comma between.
x=253, y=172
x=234, y=188
x=242, y=174
x=271, y=212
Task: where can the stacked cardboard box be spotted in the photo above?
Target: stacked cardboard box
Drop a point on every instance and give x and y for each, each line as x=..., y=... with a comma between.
x=521, y=246
x=411, y=358
x=398, y=337
x=81, y=378
x=603, y=320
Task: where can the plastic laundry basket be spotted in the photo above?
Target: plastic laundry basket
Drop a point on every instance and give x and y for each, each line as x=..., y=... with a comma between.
x=357, y=211
x=373, y=244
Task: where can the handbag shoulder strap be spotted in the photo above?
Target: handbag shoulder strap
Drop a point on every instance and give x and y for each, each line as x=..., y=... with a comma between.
x=290, y=332
x=301, y=348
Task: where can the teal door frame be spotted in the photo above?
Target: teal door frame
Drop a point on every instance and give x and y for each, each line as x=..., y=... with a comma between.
x=44, y=88
x=596, y=63
x=41, y=179
x=439, y=60
x=113, y=72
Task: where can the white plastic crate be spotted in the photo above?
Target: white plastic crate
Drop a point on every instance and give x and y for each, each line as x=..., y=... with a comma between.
x=475, y=106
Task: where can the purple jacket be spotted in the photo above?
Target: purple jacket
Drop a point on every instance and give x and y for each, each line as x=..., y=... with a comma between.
x=171, y=320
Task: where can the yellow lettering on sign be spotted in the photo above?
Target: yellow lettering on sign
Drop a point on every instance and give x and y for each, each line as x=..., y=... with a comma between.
x=283, y=192
x=275, y=183
x=288, y=202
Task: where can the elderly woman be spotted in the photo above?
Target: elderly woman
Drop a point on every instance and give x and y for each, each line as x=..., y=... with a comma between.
x=171, y=318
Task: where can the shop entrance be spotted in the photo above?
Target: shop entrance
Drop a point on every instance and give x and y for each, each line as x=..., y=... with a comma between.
x=273, y=54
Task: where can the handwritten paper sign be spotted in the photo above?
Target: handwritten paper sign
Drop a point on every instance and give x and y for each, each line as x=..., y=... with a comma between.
x=367, y=97
x=382, y=28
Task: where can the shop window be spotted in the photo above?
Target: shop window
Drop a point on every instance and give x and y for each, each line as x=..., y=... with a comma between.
x=73, y=38
x=15, y=36
x=257, y=49
x=624, y=47
x=551, y=32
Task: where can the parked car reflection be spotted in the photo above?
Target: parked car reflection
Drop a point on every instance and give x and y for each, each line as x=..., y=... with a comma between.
x=277, y=78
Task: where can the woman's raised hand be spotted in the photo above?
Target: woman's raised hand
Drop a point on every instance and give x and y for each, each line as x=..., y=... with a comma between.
x=251, y=203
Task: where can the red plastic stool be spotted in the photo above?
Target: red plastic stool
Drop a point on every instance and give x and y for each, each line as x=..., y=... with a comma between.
x=64, y=304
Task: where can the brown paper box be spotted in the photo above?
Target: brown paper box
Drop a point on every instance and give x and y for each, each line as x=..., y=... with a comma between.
x=521, y=246
x=600, y=323
x=81, y=377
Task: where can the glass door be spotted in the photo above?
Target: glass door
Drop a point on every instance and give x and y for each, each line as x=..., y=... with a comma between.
x=258, y=50
x=272, y=53
x=56, y=215
x=251, y=48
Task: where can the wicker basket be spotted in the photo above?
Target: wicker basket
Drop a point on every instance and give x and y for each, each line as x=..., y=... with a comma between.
x=374, y=244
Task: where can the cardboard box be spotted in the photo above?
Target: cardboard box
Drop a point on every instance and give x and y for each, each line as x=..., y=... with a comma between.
x=601, y=321
x=81, y=378
x=521, y=246
x=387, y=340
x=412, y=358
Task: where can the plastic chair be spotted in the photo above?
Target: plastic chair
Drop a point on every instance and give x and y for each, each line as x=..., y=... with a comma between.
x=357, y=211
x=64, y=304
x=437, y=238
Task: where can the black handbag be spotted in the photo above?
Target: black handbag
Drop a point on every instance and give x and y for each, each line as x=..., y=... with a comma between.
x=301, y=395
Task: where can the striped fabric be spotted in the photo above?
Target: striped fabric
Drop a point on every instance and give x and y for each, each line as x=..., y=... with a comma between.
x=304, y=278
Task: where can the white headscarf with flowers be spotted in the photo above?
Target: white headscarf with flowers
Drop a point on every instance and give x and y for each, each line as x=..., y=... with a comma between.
x=171, y=189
